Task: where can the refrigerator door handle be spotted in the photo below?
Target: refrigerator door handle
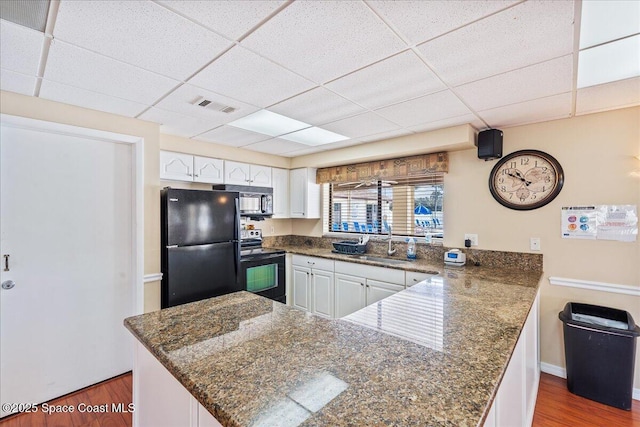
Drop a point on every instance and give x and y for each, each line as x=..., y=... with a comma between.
x=237, y=232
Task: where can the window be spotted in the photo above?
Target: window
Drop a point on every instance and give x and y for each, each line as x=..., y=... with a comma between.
x=407, y=207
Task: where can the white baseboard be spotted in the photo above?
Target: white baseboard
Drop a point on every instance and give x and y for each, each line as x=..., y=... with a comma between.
x=557, y=371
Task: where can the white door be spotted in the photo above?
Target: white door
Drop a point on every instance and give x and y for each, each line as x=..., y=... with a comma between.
x=176, y=166
x=261, y=176
x=66, y=224
x=280, y=183
x=301, y=287
x=377, y=290
x=298, y=192
x=237, y=173
x=208, y=170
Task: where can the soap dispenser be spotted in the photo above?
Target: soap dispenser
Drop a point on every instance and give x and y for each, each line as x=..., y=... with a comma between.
x=411, y=248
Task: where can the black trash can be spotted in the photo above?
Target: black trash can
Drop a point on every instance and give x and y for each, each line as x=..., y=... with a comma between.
x=600, y=349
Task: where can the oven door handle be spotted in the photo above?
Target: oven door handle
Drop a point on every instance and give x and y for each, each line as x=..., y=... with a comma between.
x=263, y=258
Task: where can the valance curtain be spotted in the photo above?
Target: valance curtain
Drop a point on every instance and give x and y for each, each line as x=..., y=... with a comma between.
x=391, y=169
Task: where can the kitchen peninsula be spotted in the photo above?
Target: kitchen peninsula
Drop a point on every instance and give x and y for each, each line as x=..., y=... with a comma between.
x=437, y=353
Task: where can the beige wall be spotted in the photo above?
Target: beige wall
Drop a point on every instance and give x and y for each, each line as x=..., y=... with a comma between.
x=597, y=153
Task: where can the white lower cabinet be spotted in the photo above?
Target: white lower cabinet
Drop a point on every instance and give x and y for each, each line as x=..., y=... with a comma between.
x=313, y=285
x=160, y=400
x=515, y=401
x=376, y=290
x=350, y=294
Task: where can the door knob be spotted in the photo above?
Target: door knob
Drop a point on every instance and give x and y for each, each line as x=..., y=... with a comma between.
x=8, y=284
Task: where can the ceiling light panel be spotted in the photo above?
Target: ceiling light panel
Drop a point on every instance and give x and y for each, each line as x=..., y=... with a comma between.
x=181, y=101
x=622, y=59
x=317, y=106
x=235, y=137
x=425, y=109
x=618, y=94
x=276, y=146
x=603, y=21
x=269, y=123
x=140, y=33
x=88, y=99
x=361, y=125
x=536, y=81
x=174, y=123
x=523, y=35
x=245, y=76
x=229, y=18
x=20, y=48
x=314, y=136
x=324, y=40
x=393, y=80
x=77, y=67
x=16, y=82
x=538, y=110
x=420, y=21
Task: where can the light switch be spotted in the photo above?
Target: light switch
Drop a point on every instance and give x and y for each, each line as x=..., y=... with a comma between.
x=535, y=243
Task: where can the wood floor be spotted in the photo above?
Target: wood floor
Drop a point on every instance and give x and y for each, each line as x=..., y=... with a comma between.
x=556, y=407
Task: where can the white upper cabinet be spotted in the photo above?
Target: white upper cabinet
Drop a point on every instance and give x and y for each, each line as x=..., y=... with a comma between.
x=280, y=184
x=186, y=167
x=245, y=174
x=176, y=166
x=208, y=170
x=304, y=193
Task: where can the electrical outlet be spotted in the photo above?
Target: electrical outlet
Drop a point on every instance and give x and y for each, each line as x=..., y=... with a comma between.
x=272, y=230
x=473, y=238
x=534, y=243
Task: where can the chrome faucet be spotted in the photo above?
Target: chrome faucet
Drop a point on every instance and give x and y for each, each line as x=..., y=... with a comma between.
x=390, y=250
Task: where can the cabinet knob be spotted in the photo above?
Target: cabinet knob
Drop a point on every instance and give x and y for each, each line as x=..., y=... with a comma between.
x=189, y=174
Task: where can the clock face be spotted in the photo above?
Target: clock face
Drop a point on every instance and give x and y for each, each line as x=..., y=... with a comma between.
x=526, y=179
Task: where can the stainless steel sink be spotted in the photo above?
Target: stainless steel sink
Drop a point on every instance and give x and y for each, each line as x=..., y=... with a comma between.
x=383, y=260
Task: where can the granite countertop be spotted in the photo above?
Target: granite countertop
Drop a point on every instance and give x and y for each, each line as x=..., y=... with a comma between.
x=430, y=355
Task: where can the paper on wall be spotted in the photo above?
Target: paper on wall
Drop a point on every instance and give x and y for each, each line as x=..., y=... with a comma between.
x=579, y=222
x=617, y=222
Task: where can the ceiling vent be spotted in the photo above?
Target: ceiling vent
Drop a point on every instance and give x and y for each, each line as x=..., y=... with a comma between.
x=211, y=105
x=32, y=14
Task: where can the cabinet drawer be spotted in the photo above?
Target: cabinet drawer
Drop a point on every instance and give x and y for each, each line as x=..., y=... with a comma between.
x=313, y=262
x=383, y=274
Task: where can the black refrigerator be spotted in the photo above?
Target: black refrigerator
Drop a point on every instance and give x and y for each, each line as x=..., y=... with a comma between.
x=200, y=245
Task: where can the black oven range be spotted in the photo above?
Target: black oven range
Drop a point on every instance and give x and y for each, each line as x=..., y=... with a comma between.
x=262, y=270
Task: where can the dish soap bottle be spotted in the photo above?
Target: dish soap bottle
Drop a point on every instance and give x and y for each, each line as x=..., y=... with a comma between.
x=411, y=248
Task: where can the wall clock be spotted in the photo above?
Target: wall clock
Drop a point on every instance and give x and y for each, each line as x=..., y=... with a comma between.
x=526, y=179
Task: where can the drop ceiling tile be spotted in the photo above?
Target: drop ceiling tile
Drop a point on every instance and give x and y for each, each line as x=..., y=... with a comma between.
x=16, y=82
x=393, y=80
x=538, y=110
x=88, y=99
x=276, y=146
x=523, y=35
x=536, y=81
x=429, y=108
x=81, y=68
x=229, y=135
x=140, y=33
x=619, y=94
x=361, y=125
x=451, y=121
x=229, y=18
x=175, y=123
x=423, y=20
x=20, y=48
x=181, y=101
x=317, y=106
x=322, y=40
x=247, y=77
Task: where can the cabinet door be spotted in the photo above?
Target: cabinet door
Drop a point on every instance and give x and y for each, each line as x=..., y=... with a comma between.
x=237, y=173
x=298, y=192
x=322, y=293
x=377, y=291
x=208, y=170
x=350, y=295
x=301, y=287
x=260, y=176
x=280, y=183
x=176, y=166
x=413, y=278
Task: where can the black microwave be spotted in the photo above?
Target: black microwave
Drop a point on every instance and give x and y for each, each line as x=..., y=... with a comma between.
x=255, y=202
